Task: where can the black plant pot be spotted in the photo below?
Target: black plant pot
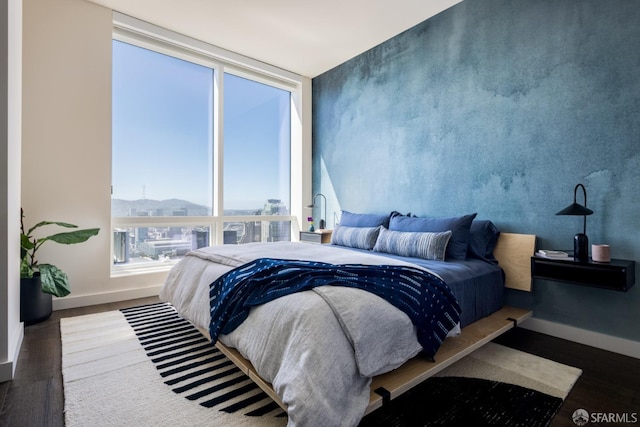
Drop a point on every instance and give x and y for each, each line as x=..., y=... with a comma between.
x=35, y=305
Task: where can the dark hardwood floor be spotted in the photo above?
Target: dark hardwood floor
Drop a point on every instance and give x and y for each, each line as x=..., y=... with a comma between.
x=610, y=383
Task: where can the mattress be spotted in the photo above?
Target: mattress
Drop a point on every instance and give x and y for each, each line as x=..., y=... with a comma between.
x=478, y=285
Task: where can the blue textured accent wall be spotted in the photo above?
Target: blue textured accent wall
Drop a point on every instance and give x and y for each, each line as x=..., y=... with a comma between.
x=501, y=108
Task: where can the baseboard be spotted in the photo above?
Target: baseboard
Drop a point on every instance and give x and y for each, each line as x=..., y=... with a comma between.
x=8, y=368
x=583, y=336
x=73, y=301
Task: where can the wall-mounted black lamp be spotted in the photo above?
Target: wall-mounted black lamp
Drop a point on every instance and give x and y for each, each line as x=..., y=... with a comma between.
x=580, y=240
x=321, y=223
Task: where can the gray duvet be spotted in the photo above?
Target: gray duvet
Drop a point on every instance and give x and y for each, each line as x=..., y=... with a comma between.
x=318, y=348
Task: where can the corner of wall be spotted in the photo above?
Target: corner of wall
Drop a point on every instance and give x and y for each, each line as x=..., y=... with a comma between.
x=8, y=368
x=11, y=329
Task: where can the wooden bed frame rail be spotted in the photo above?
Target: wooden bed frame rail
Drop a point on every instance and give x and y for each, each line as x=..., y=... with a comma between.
x=413, y=372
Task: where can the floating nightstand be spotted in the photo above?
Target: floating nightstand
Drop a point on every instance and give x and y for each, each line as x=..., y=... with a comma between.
x=617, y=275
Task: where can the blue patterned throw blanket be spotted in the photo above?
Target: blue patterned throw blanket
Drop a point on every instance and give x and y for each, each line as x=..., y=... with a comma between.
x=423, y=296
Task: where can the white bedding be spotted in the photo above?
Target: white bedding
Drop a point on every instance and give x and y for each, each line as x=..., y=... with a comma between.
x=318, y=348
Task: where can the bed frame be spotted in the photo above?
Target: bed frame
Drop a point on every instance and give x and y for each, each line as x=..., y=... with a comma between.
x=513, y=252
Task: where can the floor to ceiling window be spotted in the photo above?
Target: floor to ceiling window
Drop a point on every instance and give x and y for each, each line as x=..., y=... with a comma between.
x=257, y=140
x=201, y=155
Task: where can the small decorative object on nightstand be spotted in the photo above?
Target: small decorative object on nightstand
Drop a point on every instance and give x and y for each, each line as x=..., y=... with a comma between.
x=601, y=253
x=318, y=236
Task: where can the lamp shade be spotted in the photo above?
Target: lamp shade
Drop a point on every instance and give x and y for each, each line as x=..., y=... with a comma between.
x=575, y=209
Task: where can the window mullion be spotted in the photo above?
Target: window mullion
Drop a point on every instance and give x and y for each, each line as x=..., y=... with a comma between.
x=218, y=153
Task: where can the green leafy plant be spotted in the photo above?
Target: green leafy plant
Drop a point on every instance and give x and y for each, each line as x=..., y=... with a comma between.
x=54, y=281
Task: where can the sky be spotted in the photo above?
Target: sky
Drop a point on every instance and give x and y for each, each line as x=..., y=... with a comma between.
x=163, y=132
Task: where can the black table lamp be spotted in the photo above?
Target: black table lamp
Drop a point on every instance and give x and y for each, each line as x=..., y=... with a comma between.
x=322, y=222
x=580, y=240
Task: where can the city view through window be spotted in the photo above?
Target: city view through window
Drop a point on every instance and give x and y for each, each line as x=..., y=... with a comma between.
x=164, y=162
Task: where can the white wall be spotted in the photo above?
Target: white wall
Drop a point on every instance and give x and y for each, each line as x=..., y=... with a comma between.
x=66, y=163
x=11, y=329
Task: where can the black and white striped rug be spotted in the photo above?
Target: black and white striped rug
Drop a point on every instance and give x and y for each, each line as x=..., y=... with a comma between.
x=146, y=366
x=187, y=362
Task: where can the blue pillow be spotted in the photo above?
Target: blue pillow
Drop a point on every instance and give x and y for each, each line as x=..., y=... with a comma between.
x=459, y=226
x=363, y=220
x=432, y=246
x=355, y=237
x=482, y=240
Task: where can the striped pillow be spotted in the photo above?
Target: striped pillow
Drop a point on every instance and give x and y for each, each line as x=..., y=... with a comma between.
x=355, y=237
x=426, y=245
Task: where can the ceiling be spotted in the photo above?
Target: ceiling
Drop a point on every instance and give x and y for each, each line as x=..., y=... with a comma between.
x=301, y=36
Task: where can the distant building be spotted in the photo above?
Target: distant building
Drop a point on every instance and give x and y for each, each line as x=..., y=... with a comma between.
x=120, y=246
x=274, y=207
x=275, y=231
x=200, y=238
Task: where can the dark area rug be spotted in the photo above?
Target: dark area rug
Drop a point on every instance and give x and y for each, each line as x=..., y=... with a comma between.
x=456, y=401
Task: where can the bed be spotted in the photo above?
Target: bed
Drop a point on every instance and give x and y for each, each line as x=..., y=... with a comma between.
x=331, y=354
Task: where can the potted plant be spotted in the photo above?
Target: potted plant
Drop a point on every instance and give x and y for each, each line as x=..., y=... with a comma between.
x=38, y=282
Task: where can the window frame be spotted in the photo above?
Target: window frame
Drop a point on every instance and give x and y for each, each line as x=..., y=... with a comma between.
x=142, y=34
